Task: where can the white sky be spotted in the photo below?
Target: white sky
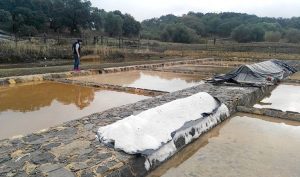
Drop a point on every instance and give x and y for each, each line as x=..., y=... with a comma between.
x=145, y=9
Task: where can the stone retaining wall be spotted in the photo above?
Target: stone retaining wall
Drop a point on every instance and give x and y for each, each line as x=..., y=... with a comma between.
x=295, y=116
x=71, y=149
x=133, y=90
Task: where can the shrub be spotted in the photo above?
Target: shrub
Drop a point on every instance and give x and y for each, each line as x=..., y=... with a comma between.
x=293, y=35
x=179, y=33
x=248, y=33
x=271, y=36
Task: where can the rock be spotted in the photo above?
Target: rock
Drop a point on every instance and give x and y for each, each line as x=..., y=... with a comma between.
x=21, y=174
x=102, y=169
x=40, y=158
x=88, y=126
x=180, y=142
x=114, y=174
x=32, y=137
x=17, y=154
x=125, y=172
x=87, y=173
x=4, y=169
x=11, y=81
x=4, y=158
x=37, y=78
x=85, y=151
x=29, y=168
x=75, y=147
x=103, y=156
x=110, y=164
x=76, y=166
x=62, y=172
x=46, y=168
x=50, y=146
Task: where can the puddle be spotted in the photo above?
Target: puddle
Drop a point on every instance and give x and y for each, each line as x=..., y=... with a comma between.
x=31, y=107
x=162, y=81
x=245, y=145
x=284, y=97
x=201, y=68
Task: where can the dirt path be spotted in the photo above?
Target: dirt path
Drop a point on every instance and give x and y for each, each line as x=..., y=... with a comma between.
x=53, y=69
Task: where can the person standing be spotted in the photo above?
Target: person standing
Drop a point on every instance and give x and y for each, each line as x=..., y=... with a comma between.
x=76, y=54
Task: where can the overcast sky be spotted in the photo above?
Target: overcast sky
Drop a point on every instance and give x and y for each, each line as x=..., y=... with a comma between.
x=145, y=9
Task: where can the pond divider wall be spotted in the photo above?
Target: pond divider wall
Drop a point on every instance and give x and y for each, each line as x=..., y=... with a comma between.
x=288, y=115
x=139, y=91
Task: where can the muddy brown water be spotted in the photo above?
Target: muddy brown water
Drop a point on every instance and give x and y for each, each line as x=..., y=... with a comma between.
x=295, y=76
x=285, y=97
x=245, y=145
x=162, y=81
x=28, y=108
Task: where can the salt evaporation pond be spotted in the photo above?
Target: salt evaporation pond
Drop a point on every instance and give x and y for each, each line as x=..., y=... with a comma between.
x=201, y=68
x=284, y=97
x=162, y=81
x=245, y=145
x=28, y=108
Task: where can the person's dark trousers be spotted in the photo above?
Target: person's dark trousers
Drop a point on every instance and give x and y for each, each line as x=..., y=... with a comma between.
x=76, y=62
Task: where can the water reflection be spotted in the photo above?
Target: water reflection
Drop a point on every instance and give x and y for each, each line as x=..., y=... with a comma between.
x=32, y=97
x=246, y=145
x=28, y=108
x=163, y=81
x=285, y=97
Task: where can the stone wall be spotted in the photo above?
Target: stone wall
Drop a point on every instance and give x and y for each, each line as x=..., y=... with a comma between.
x=133, y=90
x=289, y=115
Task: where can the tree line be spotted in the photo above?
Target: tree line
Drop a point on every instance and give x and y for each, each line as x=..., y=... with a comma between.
x=71, y=17
x=192, y=27
x=31, y=17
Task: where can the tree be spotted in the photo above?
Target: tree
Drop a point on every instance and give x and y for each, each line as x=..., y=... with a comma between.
x=130, y=26
x=271, y=36
x=212, y=22
x=98, y=18
x=193, y=22
x=257, y=33
x=113, y=24
x=226, y=28
x=5, y=19
x=77, y=14
x=179, y=33
x=248, y=33
x=293, y=35
x=26, y=30
x=241, y=34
